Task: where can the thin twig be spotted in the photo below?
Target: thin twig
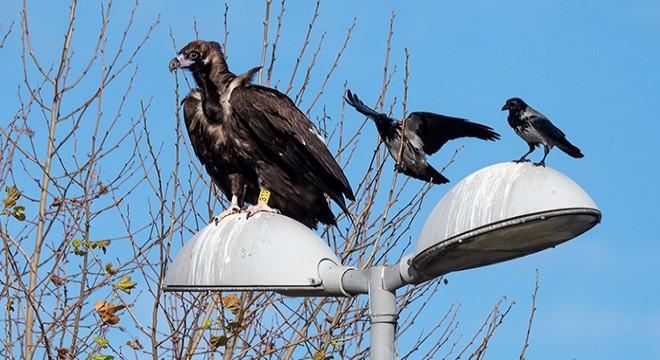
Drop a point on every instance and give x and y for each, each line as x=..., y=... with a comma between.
x=531, y=317
x=305, y=43
x=265, y=40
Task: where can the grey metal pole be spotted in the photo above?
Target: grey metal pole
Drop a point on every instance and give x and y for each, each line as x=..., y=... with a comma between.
x=382, y=315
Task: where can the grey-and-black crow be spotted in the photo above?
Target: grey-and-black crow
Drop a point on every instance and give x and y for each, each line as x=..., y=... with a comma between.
x=536, y=129
x=424, y=134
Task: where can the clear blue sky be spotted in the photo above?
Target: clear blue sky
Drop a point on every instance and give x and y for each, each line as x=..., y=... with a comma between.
x=592, y=67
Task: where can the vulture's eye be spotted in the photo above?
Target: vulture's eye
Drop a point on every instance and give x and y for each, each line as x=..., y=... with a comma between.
x=193, y=55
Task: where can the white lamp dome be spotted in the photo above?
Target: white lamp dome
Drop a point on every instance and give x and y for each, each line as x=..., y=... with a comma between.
x=499, y=213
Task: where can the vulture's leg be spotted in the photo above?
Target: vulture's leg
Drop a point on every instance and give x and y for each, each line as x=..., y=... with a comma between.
x=234, y=208
x=262, y=204
x=237, y=188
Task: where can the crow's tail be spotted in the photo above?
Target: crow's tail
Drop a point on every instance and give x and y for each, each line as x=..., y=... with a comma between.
x=570, y=149
x=432, y=175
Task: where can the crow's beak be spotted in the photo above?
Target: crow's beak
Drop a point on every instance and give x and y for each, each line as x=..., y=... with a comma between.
x=174, y=64
x=505, y=107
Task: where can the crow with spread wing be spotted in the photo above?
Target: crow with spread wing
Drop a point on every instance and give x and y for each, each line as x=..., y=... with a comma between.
x=424, y=134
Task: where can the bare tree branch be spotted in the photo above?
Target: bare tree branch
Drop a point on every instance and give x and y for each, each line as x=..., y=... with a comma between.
x=531, y=317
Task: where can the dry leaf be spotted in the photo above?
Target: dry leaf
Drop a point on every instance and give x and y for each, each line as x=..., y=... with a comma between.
x=12, y=196
x=320, y=355
x=107, y=312
x=56, y=280
x=109, y=269
x=231, y=303
x=62, y=354
x=101, y=243
x=134, y=345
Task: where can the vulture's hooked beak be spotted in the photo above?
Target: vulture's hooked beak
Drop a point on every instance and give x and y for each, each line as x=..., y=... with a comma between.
x=174, y=64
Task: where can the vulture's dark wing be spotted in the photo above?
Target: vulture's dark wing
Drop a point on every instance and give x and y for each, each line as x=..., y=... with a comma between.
x=285, y=130
x=435, y=130
x=200, y=133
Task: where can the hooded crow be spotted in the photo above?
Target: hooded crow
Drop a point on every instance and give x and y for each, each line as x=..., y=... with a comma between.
x=536, y=129
x=424, y=134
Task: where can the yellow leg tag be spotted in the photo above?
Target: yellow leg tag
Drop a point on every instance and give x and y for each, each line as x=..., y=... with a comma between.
x=264, y=196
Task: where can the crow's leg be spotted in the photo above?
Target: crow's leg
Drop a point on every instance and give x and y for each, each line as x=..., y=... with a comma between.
x=524, y=157
x=546, y=150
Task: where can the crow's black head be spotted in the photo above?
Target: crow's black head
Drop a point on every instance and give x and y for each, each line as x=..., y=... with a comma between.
x=515, y=105
x=196, y=55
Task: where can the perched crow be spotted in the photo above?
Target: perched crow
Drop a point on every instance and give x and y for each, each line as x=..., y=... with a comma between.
x=536, y=129
x=256, y=145
x=425, y=133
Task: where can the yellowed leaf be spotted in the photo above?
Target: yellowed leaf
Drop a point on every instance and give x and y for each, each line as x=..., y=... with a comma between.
x=109, y=269
x=12, y=196
x=218, y=341
x=125, y=284
x=231, y=303
x=102, y=243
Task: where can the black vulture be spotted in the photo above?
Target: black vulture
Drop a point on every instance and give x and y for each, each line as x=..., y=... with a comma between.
x=256, y=145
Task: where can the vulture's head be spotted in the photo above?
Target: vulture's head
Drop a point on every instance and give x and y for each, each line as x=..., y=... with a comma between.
x=197, y=55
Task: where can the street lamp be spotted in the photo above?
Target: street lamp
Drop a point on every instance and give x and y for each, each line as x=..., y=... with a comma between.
x=501, y=212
